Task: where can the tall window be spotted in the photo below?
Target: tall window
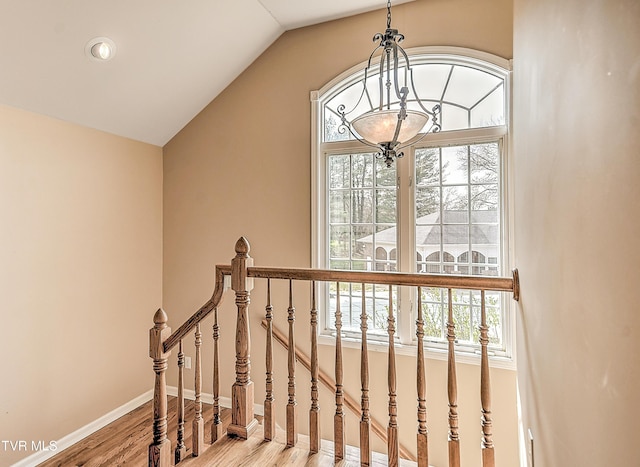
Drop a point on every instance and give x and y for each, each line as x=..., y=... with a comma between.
x=440, y=209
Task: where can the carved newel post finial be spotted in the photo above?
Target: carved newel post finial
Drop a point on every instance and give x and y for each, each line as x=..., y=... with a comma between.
x=242, y=247
x=160, y=448
x=160, y=319
x=242, y=419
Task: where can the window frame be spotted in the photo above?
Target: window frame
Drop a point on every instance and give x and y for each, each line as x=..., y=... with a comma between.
x=320, y=153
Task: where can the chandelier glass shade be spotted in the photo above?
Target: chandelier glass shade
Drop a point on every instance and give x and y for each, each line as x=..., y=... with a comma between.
x=389, y=126
x=380, y=126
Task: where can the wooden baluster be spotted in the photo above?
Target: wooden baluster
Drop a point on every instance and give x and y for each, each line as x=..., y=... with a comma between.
x=365, y=420
x=243, y=422
x=314, y=411
x=338, y=418
x=392, y=429
x=216, y=426
x=181, y=449
x=452, y=389
x=292, y=414
x=422, y=444
x=488, y=456
x=197, y=436
x=269, y=401
x=160, y=448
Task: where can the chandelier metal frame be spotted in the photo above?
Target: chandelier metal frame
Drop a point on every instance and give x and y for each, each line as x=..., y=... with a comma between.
x=393, y=59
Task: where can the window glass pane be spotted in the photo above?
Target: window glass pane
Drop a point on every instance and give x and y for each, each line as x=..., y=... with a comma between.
x=494, y=318
x=362, y=241
x=484, y=162
x=385, y=176
x=468, y=86
x=340, y=206
x=453, y=118
x=427, y=166
x=362, y=166
x=339, y=236
x=386, y=205
x=427, y=204
x=455, y=204
x=489, y=111
x=339, y=172
x=386, y=248
x=462, y=318
x=485, y=197
x=432, y=312
x=455, y=165
x=340, y=264
x=455, y=237
x=355, y=305
x=430, y=80
x=362, y=206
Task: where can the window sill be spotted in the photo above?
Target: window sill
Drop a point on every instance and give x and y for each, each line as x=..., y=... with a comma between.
x=500, y=362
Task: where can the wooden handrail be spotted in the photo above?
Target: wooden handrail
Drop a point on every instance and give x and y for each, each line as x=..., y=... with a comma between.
x=203, y=312
x=445, y=281
x=350, y=402
x=498, y=284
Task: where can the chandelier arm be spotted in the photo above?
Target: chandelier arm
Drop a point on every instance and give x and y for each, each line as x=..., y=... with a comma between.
x=341, y=108
x=399, y=94
x=394, y=141
x=413, y=86
x=377, y=37
x=381, y=80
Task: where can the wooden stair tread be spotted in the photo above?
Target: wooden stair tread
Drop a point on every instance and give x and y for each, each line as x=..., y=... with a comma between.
x=255, y=451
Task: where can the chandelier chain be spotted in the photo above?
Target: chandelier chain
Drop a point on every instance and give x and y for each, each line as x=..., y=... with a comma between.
x=388, y=14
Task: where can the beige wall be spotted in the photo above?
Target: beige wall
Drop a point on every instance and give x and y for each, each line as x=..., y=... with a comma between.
x=80, y=249
x=577, y=181
x=242, y=167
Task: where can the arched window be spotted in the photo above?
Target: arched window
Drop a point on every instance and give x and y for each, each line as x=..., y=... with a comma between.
x=448, y=189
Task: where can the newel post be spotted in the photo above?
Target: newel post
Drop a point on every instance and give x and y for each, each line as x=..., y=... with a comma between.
x=160, y=449
x=242, y=420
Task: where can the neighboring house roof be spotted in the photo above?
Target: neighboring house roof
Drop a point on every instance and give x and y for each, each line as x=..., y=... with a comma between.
x=484, y=229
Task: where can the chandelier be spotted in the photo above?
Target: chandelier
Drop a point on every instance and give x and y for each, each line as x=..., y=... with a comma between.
x=389, y=126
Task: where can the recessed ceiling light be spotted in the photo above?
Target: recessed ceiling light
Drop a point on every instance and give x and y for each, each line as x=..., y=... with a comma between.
x=100, y=49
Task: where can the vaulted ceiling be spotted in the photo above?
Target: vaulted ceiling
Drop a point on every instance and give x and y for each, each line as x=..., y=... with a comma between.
x=173, y=57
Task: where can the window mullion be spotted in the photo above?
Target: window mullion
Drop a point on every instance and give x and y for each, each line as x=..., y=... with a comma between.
x=406, y=242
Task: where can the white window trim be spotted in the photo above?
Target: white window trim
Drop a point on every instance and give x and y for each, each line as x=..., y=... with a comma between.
x=455, y=55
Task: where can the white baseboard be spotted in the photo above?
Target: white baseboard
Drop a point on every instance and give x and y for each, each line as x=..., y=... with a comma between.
x=83, y=432
x=207, y=398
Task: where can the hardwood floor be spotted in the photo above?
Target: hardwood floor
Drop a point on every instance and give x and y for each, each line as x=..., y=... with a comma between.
x=126, y=440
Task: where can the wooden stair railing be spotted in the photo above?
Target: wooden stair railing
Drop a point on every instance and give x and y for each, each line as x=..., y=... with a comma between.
x=242, y=273
x=376, y=427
